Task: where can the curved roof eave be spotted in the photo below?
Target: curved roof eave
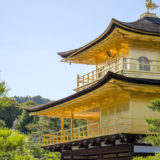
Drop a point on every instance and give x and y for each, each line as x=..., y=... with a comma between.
x=74, y=52
x=115, y=23
x=104, y=80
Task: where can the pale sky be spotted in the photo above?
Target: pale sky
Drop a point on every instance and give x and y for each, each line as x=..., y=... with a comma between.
x=33, y=31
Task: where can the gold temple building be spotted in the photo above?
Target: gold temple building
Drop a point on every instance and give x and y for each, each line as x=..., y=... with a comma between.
x=113, y=98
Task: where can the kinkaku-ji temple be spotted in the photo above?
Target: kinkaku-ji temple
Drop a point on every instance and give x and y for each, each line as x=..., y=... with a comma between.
x=113, y=98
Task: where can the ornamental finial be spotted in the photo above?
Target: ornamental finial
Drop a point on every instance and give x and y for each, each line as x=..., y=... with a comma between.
x=150, y=5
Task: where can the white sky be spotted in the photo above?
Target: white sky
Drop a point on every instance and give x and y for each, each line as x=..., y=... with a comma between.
x=33, y=31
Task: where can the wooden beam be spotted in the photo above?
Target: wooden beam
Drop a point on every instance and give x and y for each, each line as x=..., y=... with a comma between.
x=103, y=150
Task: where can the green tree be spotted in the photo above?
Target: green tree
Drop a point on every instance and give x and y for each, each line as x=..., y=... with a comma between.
x=43, y=125
x=15, y=146
x=156, y=157
x=12, y=146
x=8, y=107
x=2, y=124
x=154, y=125
x=9, y=112
x=154, y=128
x=24, y=119
x=52, y=155
x=35, y=127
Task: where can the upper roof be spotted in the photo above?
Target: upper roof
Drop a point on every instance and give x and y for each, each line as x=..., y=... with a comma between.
x=106, y=79
x=145, y=25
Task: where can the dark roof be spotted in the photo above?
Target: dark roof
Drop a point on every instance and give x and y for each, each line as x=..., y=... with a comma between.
x=67, y=53
x=145, y=25
x=105, y=79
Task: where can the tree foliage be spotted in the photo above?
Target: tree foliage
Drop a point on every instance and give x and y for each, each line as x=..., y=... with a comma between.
x=42, y=125
x=156, y=157
x=154, y=128
x=154, y=125
x=24, y=119
x=12, y=113
x=2, y=124
x=15, y=146
x=38, y=99
x=35, y=127
x=9, y=112
x=9, y=108
x=12, y=146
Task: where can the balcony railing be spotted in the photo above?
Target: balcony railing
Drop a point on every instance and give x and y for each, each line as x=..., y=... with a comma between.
x=118, y=66
x=117, y=125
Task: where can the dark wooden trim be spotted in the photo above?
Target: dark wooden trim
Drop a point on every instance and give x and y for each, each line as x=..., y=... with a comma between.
x=97, y=151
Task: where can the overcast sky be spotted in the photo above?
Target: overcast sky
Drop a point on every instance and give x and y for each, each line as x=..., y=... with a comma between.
x=33, y=31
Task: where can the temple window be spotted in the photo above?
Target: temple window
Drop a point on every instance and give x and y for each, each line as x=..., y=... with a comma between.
x=143, y=64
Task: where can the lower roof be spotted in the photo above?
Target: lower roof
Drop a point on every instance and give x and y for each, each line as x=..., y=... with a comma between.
x=104, y=80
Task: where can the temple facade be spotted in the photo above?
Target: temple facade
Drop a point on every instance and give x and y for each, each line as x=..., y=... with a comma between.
x=113, y=98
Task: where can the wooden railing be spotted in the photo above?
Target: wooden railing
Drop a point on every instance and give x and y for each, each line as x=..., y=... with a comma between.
x=133, y=64
x=112, y=126
x=98, y=73
x=117, y=66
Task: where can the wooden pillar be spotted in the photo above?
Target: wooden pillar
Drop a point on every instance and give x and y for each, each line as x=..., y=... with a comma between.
x=62, y=130
x=72, y=126
x=100, y=156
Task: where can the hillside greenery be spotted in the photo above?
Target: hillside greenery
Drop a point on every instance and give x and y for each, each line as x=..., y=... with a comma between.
x=20, y=133
x=14, y=120
x=37, y=99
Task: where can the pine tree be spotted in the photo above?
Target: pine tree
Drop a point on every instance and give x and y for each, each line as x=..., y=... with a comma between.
x=154, y=125
x=154, y=128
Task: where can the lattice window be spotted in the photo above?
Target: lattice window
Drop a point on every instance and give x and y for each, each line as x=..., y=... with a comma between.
x=143, y=64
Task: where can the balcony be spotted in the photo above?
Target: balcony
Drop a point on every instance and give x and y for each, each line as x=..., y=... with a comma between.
x=108, y=127
x=139, y=68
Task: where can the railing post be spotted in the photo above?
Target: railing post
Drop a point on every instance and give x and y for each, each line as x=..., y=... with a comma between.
x=79, y=133
x=83, y=79
x=122, y=62
x=77, y=80
x=44, y=140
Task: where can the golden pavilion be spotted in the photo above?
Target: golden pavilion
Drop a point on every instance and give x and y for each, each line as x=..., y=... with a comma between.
x=113, y=98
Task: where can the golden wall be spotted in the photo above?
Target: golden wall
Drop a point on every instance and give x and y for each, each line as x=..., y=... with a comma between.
x=127, y=116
